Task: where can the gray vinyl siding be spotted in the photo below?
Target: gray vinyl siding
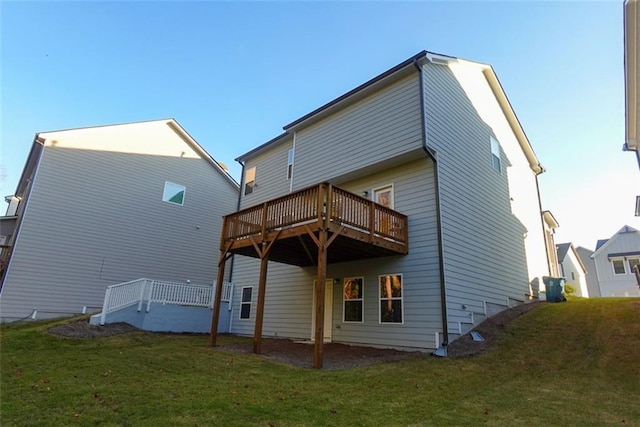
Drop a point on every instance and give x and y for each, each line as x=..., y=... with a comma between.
x=609, y=282
x=97, y=218
x=381, y=126
x=271, y=174
x=591, y=275
x=288, y=301
x=484, y=253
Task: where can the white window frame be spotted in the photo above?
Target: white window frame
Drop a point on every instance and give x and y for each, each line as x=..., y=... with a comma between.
x=381, y=189
x=629, y=259
x=290, y=160
x=613, y=267
x=243, y=302
x=400, y=298
x=345, y=300
x=495, y=155
x=249, y=173
x=171, y=189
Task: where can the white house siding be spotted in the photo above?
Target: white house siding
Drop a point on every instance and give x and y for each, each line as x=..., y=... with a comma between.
x=485, y=215
x=288, y=301
x=96, y=217
x=617, y=284
x=271, y=174
x=379, y=127
x=574, y=274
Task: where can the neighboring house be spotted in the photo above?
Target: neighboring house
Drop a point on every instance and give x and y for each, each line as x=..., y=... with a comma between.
x=431, y=219
x=101, y=205
x=572, y=268
x=592, y=277
x=615, y=259
x=550, y=226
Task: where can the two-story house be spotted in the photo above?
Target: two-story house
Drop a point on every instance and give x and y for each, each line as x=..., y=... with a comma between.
x=397, y=215
x=616, y=260
x=102, y=205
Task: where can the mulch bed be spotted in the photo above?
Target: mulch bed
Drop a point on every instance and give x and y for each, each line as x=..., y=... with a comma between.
x=336, y=356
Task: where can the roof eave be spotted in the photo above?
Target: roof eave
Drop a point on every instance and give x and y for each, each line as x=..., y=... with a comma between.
x=632, y=76
x=512, y=119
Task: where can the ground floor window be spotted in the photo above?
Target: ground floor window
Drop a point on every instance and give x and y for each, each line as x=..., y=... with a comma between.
x=353, y=299
x=390, y=298
x=245, y=302
x=632, y=263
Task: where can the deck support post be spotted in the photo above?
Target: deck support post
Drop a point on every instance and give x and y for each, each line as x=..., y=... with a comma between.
x=224, y=255
x=257, y=333
x=318, y=348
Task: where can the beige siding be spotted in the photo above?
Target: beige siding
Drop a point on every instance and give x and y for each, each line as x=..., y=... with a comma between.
x=96, y=218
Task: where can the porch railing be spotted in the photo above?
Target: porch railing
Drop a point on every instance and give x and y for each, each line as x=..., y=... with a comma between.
x=314, y=205
x=139, y=291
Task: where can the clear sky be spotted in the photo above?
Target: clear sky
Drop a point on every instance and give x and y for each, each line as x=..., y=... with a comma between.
x=233, y=73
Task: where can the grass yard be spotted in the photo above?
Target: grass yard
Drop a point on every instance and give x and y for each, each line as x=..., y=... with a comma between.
x=576, y=363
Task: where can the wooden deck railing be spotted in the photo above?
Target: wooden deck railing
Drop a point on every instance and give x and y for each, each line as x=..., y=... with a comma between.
x=316, y=205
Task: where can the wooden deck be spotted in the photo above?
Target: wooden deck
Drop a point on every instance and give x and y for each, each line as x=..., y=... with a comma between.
x=360, y=228
x=317, y=226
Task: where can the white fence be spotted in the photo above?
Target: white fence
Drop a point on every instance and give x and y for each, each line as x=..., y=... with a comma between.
x=138, y=291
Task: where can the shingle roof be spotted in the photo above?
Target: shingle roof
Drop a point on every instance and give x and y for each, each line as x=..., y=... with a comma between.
x=562, y=250
x=600, y=243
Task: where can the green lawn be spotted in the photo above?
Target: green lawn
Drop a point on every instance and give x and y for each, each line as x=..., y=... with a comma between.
x=576, y=363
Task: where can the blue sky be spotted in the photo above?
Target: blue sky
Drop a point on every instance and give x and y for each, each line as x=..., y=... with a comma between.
x=234, y=73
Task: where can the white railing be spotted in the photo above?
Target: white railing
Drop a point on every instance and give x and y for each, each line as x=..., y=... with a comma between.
x=138, y=291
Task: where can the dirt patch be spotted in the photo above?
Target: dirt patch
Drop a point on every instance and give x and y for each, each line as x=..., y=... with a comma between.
x=82, y=329
x=336, y=356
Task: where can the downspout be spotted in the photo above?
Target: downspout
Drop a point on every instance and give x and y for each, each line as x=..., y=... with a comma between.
x=37, y=141
x=233, y=257
x=431, y=153
x=544, y=232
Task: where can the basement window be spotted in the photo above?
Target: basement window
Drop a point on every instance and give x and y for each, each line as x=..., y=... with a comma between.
x=390, y=298
x=353, y=301
x=245, y=303
x=173, y=193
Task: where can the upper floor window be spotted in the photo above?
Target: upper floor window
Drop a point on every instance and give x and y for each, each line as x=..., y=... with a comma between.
x=632, y=263
x=249, y=180
x=618, y=266
x=495, y=155
x=290, y=164
x=173, y=193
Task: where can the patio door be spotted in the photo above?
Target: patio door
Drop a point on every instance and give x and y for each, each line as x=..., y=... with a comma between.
x=328, y=310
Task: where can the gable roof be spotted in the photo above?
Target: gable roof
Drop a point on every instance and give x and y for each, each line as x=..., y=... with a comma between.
x=40, y=139
x=584, y=254
x=603, y=244
x=562, y=250
x=412, y=65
